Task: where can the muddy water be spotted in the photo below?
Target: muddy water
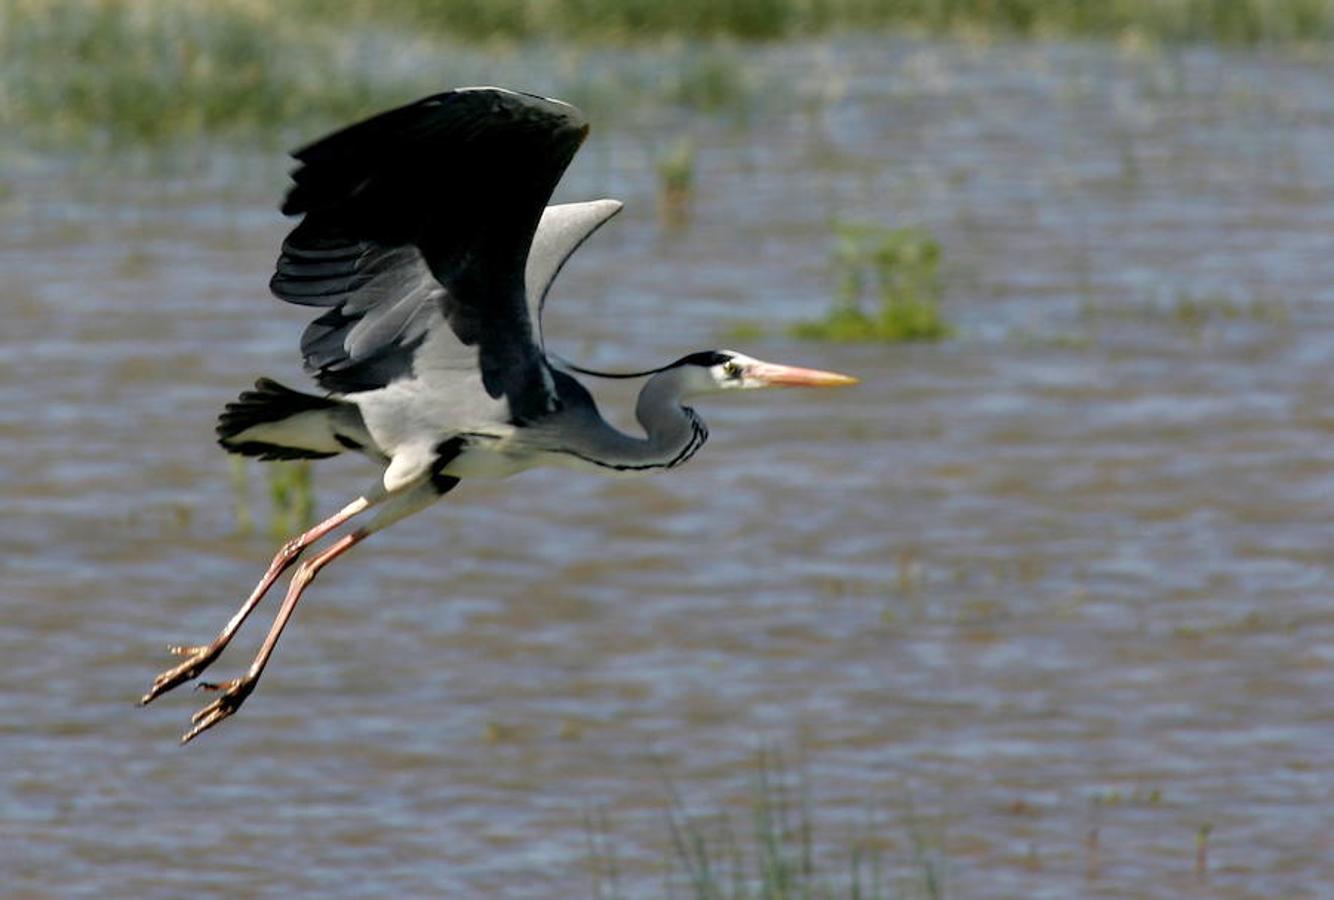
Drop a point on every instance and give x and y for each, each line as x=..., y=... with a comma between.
x=1042, y=602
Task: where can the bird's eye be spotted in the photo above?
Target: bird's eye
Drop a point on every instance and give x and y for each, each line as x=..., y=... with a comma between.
x=732, y=369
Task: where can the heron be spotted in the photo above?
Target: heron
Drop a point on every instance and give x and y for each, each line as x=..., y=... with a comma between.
x=426, y=243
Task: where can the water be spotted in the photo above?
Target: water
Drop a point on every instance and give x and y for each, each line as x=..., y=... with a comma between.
x=1051, y=596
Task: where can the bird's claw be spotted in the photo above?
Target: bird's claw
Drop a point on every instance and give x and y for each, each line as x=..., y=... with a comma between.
x=199, y=659
x=234, y=693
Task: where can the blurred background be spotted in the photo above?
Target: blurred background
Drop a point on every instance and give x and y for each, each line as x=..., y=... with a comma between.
x=1040, y=609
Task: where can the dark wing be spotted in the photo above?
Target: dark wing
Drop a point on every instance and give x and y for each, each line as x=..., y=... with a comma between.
x=418, y=220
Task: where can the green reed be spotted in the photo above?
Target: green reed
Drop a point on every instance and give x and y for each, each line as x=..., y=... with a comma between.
x=291, y=496
x=112, y=74
x=1229, y=21
x=116, y=72
x=887, y=286
x=96, y=72
x=1192, y=312
x=291, y=491
x=676, y=182
x=770, y=850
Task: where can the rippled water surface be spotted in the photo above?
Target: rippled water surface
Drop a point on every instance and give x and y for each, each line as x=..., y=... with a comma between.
x=1038, y=606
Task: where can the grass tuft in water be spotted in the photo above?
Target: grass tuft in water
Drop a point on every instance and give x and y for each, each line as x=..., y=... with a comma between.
x=117, y=72
x=1230, y=21
x=601, y=856
x=1192, y=311
x=292, y=497
x=776, y=855
x=245, y=522
x=1202, y=850
x=713, y=80
x=894, y=271
x=676, y=182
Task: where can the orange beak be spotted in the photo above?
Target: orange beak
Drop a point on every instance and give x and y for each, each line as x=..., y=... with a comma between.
x=774, y=375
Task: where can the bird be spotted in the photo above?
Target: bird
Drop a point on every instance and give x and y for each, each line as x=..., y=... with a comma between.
x=426, y=244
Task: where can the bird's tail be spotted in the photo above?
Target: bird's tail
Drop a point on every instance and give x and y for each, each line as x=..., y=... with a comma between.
x=276, y=422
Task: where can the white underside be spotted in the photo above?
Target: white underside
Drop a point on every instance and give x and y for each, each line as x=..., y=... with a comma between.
x=309, y=430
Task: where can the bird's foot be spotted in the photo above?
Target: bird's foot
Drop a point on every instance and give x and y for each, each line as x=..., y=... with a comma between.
x=234, y=693
x=198, y=659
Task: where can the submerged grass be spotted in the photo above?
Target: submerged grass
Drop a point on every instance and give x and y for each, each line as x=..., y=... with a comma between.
x=292, y=497
x=676, y=182
x=118, y=74
x=888, y=287
x=291, y=492
x=773, y=852
x=88, y=72
x=1230, y=21
x=112, y=72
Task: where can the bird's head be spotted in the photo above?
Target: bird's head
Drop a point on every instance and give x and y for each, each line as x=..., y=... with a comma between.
x=715, y=371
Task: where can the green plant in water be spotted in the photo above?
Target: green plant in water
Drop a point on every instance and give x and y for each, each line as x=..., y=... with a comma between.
x=676, y=178
x=1192, y=311
x=116, y=74
x=1228, y=21
x=898, y=271
x=245, y=523
x=601, y=856
x=711, y=81
x=292, y=496
x=780, y=859
x=1202, y=850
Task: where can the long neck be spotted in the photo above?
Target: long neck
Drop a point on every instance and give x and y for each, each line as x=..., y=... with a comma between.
x=673, y=432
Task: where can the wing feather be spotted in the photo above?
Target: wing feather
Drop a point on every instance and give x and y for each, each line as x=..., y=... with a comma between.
x=561, y=231
x=419, y=220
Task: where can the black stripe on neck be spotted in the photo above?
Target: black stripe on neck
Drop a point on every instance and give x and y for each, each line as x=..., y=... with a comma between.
x=699, y=433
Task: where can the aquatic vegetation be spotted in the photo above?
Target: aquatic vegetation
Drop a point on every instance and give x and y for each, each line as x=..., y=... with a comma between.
x=291, y=495
x=676, y=180
x=1232, y=21
x=778, y=857
x=711, y=81
x=1202, y=850
x=114, y=73
x=1192, y=311
x=744, y=330
x=124, y=71
x=119, y=72
x=602, y=19
x=245, y=522
x=1196, y=310
x=601, y=855
x=893, y=270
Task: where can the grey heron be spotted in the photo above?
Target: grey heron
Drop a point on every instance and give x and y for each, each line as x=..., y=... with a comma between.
x=426, y=242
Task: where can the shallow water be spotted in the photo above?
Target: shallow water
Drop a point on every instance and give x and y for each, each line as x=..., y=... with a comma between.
x=1048, y=598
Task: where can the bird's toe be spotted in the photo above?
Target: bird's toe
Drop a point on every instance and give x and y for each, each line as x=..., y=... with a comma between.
x=233, y=694
x=197, y=660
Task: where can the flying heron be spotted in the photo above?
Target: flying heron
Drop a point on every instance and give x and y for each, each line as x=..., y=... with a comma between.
x=426, y=242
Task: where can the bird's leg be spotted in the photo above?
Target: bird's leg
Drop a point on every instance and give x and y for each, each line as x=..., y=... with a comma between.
x=235, y=691
x=201, y=657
